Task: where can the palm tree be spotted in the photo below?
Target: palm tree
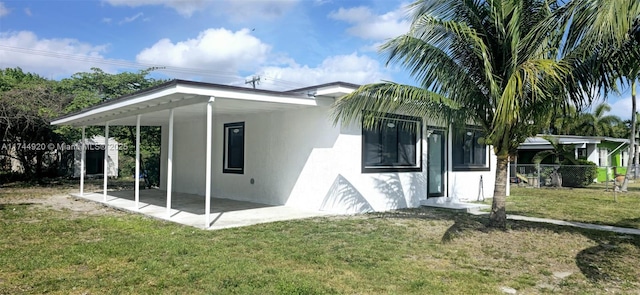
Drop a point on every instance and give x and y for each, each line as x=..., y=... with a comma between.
x=597, y=123
x=562, y=121
x=501, y=65
x=633, y=160
x=560, y=153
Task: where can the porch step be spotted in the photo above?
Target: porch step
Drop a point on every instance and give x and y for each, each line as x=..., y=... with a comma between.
x=458, y=206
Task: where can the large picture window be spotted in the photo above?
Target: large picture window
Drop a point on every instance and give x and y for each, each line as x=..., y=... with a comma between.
x=467, y=151
x=233, y=148
x=392, y=145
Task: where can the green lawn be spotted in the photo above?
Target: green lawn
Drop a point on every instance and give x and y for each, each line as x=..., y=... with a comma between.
x=75, y=247
x=593, y=204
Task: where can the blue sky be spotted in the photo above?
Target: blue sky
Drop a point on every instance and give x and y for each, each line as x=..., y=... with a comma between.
x=288, y=43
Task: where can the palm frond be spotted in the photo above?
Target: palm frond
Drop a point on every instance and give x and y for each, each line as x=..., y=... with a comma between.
x=397, y=99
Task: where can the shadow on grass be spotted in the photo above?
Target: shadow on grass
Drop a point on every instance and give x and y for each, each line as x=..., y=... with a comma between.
x=600, y=263
x=633, y=223
x=629, y=222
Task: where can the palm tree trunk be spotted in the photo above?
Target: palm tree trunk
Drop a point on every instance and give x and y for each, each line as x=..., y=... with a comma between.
x=498, y=216
x=632, y=138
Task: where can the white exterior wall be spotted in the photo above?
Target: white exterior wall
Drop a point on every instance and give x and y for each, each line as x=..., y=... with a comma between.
x=465, y=186
x=592, y=153
x=299, y=158
x=97, y=141
x=188, y=156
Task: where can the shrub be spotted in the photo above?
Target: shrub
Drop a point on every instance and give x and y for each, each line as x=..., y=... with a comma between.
x=578, y=174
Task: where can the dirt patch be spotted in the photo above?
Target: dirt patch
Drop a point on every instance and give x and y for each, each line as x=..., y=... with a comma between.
x=62, y=202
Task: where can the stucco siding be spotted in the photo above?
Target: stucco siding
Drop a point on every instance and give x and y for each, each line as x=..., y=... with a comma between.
x=300, y=158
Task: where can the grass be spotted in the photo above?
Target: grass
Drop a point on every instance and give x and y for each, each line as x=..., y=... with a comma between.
x=591, y=205
x=58, y=249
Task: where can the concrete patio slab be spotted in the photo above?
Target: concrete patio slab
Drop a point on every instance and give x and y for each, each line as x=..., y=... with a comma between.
x=457, y=205
x=189, y=209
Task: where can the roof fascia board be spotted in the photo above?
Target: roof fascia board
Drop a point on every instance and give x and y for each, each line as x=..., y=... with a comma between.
x=144, y=110
x=111, y=107
x=260, y=97
x=187, y=90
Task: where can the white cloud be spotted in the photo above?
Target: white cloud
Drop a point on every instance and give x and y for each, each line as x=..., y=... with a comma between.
x=621, y=108
x=321, y=2
x=183, y=7
x=368, y=25
x=254, y=9
x=3, y=9
x=51, y=58
x=131, y=18
x=215, y=49
x=352, y=68
x=27, y=11
x=237, y=10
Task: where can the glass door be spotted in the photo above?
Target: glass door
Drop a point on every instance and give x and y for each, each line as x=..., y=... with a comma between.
x=436, y=155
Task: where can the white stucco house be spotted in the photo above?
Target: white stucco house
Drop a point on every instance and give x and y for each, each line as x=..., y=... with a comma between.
x=94, y=157
x=282, y=148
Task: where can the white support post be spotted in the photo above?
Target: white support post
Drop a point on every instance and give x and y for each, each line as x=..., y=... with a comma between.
x=137, y=175
x=106, y=159
x=170, y=164
x=82, y=162
x=207, y=173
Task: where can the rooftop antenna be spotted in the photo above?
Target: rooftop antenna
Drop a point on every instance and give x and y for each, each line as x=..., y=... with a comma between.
x=253, y=81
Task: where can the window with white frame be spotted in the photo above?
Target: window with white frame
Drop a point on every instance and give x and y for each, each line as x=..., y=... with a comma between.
x=604, y=157
x=233, y=148
x=468, y=152
x=392, y=144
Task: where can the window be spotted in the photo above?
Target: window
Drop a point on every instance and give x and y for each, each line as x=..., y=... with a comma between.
x=582, y=153
x=392, y=145
x=604, y=157
x=233, y=148
x=436, y=155
x=467, y=152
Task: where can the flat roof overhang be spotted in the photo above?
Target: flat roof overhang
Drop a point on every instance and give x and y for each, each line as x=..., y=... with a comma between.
x=187, y=98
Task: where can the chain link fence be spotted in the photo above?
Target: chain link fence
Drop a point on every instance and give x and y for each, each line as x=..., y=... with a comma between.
x=544, y=175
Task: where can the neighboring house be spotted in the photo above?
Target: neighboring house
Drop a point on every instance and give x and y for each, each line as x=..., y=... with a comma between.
x=283, y=148
x=94, y=157
x=610, y=154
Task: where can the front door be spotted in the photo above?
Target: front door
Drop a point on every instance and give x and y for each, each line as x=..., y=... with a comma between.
x=436, y=155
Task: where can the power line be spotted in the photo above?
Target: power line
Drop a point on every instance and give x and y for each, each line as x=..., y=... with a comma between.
x=122, y=63
x=253, y=81
x=138, y=65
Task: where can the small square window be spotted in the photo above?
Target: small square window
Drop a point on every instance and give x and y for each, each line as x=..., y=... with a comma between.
x=392, y=145
x=233, y=148
x=468, y=152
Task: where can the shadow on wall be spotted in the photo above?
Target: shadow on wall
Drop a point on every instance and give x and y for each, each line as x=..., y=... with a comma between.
x=418, y=187
x=469, y=188
x=343, y=197
x=391, y=186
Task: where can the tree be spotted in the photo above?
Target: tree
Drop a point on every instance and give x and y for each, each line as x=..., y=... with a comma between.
x=27, y=103
x=501, y=65
x=97, y=86
x=597, y=123
x=633, y=160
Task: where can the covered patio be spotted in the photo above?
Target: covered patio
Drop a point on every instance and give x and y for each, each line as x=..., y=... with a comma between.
x=188, y=113
x=187, y=209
